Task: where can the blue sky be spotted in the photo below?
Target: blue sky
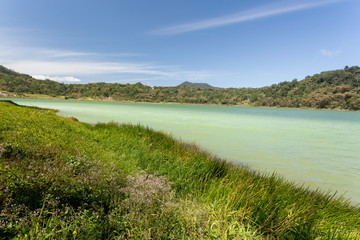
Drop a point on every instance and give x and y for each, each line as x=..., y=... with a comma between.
x=163, y=43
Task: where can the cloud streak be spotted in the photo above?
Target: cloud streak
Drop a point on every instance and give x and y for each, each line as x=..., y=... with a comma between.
x=329, y=53
x=11, y=52
x=252, y=14
x=57, y=78
x=65, y=65
x=69, y=71
x=82, y=68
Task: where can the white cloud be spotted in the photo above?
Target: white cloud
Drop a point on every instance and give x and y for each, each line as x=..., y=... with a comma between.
x=71, y=65
x=61, y=53
x=329, y=53
x=82, y=68
x=57, y=78
x=10, y=52
x=126, y=72
x=252, y=14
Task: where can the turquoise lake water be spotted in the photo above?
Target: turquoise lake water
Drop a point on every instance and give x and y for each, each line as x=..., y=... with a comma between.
x=312, y=147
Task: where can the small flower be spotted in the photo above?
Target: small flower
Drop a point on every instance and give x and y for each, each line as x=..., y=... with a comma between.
x=74, y=232
x=26, y=235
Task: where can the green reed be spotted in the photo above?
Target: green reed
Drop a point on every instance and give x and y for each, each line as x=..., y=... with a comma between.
x=62, y=179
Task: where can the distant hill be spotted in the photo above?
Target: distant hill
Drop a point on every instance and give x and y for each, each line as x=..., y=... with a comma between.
x=4, y=70
x=196, y=85
x=338, y=89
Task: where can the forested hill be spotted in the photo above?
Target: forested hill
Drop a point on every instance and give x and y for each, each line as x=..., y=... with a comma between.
x=338, y=89
x=197, y=85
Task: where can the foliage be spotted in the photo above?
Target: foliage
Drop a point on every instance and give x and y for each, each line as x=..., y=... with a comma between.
x=339, y=89
x=62, y=179
x=196, y=85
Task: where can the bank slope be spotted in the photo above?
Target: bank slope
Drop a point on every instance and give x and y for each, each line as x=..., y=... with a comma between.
x=62, y=179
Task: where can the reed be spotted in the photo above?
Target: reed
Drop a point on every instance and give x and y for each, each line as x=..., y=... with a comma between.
x=63, y=179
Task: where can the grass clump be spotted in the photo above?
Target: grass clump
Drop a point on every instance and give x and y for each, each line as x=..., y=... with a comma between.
x=62, y=179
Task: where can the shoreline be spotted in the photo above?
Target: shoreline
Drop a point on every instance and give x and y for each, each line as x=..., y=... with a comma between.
x=178, y=103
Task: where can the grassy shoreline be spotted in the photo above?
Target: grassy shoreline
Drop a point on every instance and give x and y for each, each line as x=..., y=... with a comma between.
x=63, y=179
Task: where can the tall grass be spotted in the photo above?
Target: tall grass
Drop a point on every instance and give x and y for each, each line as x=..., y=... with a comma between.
x=63, y=179
x=272, y=204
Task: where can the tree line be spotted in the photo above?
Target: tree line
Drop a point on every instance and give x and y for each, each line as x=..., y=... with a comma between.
x=338, y=89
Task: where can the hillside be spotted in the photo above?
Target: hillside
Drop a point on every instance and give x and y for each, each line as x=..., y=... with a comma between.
x=195, y=85
x=338, y=89
x=63, y=179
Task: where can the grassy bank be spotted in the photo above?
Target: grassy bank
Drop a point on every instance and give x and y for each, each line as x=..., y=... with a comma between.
x=62, y=179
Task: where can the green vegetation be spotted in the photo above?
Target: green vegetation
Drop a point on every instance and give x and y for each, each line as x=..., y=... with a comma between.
x=63, y=179
x=339, y=89
x=195, y=85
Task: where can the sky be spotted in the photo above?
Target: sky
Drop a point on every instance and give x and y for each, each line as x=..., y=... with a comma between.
x=228, y=43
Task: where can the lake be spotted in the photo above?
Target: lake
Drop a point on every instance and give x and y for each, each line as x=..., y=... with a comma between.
x=313, y=147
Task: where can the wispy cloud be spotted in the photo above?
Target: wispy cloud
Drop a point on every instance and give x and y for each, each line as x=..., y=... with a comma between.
x=329, y=53
x=73, y=71
x=82, y=68
x=58, y=53
x=67, y=65
x=15, y=52
x=252, y=14
x=57, y=78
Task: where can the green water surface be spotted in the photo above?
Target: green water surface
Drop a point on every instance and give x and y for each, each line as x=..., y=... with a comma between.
x=312, y=147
